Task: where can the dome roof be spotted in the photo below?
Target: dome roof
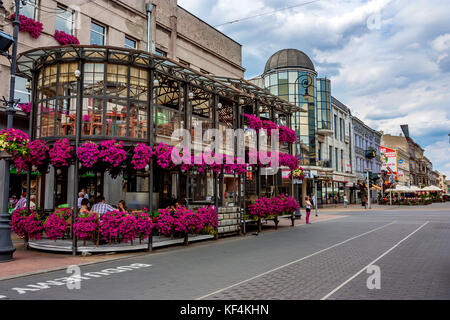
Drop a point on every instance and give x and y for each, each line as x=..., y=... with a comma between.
x=289, y=58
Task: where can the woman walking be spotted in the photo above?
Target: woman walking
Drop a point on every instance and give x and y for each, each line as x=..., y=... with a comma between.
x=308, y=209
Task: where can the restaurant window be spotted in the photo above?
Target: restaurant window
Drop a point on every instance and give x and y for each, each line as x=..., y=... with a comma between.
x=97, y=34
x=64, y=19
x=130, y=43
x=30, y=10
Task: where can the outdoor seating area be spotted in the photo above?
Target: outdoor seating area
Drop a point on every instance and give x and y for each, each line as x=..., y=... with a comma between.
x=412, y=196
x=104, y=123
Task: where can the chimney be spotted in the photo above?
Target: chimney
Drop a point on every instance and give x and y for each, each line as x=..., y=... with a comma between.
x=405, y=129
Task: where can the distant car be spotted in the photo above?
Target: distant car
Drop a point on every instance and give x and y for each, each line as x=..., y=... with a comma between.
x=446, y=197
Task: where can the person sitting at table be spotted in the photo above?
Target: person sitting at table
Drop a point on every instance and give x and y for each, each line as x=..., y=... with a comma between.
x=101, y=207
x=122, y=207
x=32, y=202
x=84, y=206
x=22, y=203
x=80, y=198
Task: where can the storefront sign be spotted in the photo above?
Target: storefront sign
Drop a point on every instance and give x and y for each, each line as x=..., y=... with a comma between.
x=339, y=178
x=389, y=160
x=349, y=184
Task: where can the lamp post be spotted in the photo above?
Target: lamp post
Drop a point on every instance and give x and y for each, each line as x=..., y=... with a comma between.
x=6, y=246
x=305, y=83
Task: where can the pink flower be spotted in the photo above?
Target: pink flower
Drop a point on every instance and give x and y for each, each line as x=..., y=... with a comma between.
x=33, y=27
x=65, y=39
x=61, y=153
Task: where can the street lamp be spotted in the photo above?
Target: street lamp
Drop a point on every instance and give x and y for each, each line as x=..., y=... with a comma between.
x=6, y=246
x=306, y=83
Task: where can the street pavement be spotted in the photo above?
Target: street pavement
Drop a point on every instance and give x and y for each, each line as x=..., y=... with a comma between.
x=406, y=250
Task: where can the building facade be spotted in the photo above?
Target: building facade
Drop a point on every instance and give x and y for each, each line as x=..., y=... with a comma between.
x=337, y=151
x=367, y=152
x=442, y=182
x=400, y=144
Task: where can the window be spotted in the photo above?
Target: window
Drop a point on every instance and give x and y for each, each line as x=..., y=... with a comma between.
x=184, y=63
x=335, y=127
x=97, y=34
x=320, y=151
x=30, y=10
x=337, y=161
x=341, y=128
x=130, y=43
x=64, y=19
x=21, y=92
x=330, y=154
x=342, y=160
x=161, y=53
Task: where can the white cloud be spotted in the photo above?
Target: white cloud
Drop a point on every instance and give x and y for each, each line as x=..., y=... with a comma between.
x=401, y=68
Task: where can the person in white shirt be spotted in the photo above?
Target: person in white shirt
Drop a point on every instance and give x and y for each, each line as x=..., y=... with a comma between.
x=80, y=198
x=32, y=202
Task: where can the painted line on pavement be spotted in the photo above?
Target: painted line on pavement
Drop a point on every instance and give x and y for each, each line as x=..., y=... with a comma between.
x=298, y=260
x=374, y=261
x=3, y=297
x=324, y=220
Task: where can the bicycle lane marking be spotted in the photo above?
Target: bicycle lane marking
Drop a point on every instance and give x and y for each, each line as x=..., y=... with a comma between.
x=296, y=261
x=373, y=262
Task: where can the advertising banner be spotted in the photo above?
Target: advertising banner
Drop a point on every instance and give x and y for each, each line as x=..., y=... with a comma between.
x=389, y=160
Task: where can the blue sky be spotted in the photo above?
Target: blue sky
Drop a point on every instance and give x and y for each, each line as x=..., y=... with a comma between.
x=388, y=60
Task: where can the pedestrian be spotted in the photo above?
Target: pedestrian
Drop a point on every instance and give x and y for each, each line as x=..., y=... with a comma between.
x=85, y=193
x=363, y=201
x=335, y=200
x=345, y=201
x=308, y=206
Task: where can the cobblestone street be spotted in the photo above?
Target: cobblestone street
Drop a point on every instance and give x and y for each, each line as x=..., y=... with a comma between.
x=328, y=259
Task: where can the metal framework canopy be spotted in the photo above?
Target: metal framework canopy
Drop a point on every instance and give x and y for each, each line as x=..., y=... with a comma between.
x=101, y=92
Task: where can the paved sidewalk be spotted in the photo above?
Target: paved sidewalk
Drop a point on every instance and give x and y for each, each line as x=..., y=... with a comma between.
x=28, y=262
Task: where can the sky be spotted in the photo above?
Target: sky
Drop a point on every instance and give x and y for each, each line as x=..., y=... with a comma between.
x=388, y=60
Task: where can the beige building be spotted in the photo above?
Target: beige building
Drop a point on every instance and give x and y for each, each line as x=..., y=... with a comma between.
x=443, y=182
x=400, y=144
x=175, y=33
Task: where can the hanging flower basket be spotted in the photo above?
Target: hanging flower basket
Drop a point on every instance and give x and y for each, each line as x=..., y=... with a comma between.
x=33, y=27
x=13, y=143
x=65, y=39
